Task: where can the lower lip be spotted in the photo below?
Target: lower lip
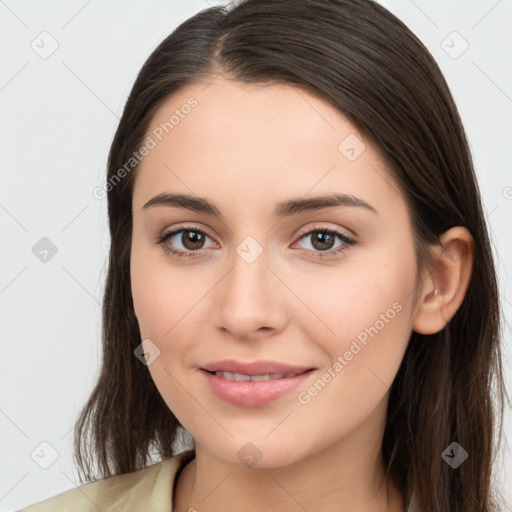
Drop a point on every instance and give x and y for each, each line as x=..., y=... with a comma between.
x=253, y=393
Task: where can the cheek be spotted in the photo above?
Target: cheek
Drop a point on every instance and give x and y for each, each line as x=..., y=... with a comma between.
x=363, y=317
x=342, y=304
x=160, y=293
x=167, y=300
x=371, y=316
x=162, y=300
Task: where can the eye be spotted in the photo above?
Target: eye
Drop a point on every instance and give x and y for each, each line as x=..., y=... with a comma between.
x=323, y=238
x=192, y=239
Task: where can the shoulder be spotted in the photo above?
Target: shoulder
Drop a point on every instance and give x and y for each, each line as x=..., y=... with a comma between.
x=149, y=489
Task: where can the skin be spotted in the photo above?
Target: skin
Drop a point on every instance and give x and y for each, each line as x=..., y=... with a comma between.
x=246, y=148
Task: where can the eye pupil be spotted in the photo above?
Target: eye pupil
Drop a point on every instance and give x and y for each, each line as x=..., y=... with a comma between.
x=192, y=237
x=324, y=239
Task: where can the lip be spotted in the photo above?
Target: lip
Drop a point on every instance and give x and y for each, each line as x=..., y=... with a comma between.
x=255, y=368
x=253, y=393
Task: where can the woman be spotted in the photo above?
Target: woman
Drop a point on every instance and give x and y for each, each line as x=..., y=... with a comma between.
x=300, y=277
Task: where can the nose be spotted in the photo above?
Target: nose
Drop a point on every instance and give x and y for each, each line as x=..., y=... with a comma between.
x=249, y=300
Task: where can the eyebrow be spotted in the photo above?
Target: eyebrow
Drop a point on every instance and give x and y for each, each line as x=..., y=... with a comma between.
x=282, y=209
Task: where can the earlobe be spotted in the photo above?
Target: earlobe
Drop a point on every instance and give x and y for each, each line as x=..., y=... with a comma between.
x=446, y=284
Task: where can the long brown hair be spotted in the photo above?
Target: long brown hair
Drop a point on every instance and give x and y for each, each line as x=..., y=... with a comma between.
x=365, y=62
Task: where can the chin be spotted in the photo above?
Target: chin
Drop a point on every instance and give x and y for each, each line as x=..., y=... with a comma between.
x=262, y=454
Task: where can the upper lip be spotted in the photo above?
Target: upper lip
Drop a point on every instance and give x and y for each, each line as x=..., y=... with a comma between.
x=255, y=368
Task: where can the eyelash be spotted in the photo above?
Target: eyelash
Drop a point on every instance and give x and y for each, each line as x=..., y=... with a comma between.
x=316, y=254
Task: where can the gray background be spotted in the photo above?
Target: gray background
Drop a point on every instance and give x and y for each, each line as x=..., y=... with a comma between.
x=59, y=114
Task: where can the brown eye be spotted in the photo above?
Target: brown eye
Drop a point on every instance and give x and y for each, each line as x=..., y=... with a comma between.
x=183, y=242
x=192, y=240
x=323, y=240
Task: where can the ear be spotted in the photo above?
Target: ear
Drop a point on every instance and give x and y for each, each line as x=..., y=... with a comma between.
x=445, y=285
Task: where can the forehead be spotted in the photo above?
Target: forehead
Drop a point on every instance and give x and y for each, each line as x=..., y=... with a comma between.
x=254, y=143
x=231, y=114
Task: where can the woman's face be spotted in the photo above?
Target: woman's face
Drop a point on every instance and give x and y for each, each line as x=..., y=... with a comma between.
x=257, y=282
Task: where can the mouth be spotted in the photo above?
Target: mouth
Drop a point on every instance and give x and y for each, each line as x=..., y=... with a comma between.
x=243, y=377
x=246, y=390
x=241, y=370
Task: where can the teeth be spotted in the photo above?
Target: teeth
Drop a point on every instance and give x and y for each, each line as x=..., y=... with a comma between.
x=239, y=377
x=260, y=377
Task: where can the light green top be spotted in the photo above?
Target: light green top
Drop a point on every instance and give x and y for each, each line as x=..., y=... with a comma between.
x=146, y=490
